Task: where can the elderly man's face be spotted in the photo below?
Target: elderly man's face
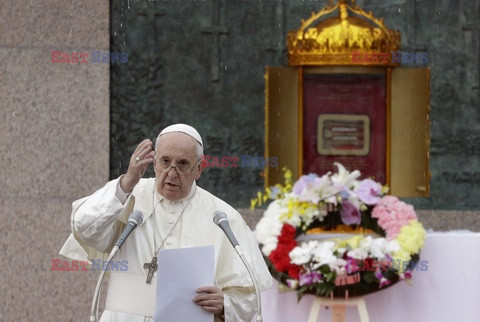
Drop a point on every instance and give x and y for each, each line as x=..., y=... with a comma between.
x=178, y=149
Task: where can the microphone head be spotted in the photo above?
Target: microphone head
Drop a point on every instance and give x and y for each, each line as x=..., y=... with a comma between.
x=219, y=215
x=136, y=217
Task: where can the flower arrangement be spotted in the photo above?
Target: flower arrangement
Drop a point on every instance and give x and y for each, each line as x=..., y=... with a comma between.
x=336, y=235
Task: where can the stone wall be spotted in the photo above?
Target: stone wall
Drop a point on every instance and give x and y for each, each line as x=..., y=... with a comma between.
x=54, y=124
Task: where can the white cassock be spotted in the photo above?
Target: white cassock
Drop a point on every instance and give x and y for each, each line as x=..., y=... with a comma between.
x=98, y=220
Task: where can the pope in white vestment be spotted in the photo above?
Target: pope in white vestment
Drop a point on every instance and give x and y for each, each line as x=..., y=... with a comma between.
x=174, y=216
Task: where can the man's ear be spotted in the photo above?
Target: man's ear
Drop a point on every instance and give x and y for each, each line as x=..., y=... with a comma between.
x=200, y=167
x=204, y=162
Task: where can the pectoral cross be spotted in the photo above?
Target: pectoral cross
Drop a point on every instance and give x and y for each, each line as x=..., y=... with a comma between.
x=152, y=267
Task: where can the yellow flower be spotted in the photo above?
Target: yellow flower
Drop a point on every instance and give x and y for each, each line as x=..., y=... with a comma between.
x=399, y=258
x=411, y=237
x=353, y=242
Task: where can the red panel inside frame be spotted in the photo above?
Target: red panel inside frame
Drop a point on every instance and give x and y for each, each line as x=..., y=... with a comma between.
x=345, y=94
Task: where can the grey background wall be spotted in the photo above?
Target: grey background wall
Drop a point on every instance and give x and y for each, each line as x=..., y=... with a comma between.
x=61, y=137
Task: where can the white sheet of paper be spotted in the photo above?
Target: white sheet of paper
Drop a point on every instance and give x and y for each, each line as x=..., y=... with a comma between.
x=180, y=272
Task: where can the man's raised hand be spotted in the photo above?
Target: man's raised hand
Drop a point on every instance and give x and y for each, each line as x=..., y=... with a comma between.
x=139, y=161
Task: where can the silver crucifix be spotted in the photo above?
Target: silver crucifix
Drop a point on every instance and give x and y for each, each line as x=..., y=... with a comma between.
x=152, y=267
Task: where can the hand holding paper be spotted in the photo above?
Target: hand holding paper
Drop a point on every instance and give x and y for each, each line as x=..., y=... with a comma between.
x=210, y=298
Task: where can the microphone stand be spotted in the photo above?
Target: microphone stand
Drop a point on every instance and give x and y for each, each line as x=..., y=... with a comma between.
x=255, y=283
x=135, y=219
x=96, y=296
x=220, y=219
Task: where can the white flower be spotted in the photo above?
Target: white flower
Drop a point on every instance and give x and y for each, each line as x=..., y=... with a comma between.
x=348, y=179
x=338, y=265
x=300, y=255
x=328, y=189
x=392, y=246
x=378, y=248
x=313, y=213
x=361, y=252
x=358, y=253
x=295, y=218
x=269, y=227
x=293, y=284
x=323, y=254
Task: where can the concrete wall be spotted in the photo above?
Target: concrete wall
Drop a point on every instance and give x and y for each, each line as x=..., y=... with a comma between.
x=54, y=125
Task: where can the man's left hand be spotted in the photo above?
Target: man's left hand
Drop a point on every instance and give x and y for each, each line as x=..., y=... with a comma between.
x=210, y=298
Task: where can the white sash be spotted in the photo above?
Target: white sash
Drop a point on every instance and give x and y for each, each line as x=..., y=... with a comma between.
x=130, y=294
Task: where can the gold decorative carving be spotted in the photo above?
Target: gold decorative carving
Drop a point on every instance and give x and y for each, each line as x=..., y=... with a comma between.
x=358, y=39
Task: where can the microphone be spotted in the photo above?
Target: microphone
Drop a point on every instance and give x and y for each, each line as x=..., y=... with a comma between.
x=135, y=219
x=220, y=219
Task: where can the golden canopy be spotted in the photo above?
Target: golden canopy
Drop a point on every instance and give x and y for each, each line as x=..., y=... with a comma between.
x=358, y=39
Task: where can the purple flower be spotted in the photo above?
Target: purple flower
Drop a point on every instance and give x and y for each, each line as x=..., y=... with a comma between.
x=307, y=188
x=352, y=265
x=350, y=214
x=369, y=191
x=383, y=280
x=310, y=278
x=345, y=193
x=407, y=275
x=304, y=182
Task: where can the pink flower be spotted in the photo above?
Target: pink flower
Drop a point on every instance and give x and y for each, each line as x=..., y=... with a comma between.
x=350, y=214
x=392, y=215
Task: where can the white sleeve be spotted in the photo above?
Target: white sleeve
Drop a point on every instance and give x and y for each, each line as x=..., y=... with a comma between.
x=239, y=304
x=94, y=222
x=121, y=195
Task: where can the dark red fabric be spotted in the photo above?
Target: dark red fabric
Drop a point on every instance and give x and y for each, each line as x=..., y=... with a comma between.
x=359, y=94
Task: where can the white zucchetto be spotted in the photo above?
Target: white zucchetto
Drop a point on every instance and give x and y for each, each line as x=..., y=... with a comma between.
x=184, y=128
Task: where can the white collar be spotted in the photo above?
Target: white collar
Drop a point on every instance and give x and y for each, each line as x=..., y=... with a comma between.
x=159, y=197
